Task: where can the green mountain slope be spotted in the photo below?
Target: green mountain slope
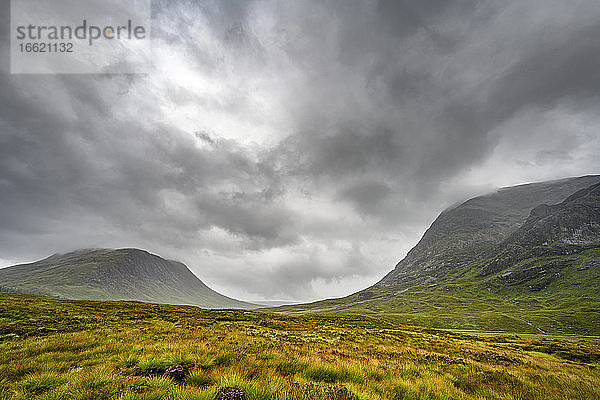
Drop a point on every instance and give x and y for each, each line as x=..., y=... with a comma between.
x=523, y=259
x=106, y=274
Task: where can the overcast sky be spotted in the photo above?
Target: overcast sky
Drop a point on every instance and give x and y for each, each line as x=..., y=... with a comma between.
x=298, y=149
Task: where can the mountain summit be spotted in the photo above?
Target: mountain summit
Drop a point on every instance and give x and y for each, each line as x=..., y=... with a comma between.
x=107, y=274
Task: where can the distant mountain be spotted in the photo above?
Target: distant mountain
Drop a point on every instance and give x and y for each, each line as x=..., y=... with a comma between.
x=107, y=274
x=525, y=258
x=276, y=303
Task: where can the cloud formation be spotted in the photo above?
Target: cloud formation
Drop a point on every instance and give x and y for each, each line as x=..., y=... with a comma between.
x=297, y=150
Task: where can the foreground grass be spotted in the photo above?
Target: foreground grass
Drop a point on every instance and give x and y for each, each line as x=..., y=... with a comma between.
x=52, y=349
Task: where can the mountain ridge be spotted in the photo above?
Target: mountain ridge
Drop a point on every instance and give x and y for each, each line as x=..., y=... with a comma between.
x=567, y=225
x=480, y=223
x=114, y=274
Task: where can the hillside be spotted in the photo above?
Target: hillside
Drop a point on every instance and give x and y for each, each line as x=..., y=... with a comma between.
x=523, y=259
x=106, y=274
x=462, y=234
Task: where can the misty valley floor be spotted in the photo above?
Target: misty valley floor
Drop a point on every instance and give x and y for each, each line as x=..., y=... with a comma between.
x=55, y=349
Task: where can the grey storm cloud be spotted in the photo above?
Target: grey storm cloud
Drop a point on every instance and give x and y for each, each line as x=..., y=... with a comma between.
x=297, y=149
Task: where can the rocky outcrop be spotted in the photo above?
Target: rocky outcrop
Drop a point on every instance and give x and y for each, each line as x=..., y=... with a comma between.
x=552, y=230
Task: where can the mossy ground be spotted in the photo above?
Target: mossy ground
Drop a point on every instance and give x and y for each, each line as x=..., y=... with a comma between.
x=53, y=349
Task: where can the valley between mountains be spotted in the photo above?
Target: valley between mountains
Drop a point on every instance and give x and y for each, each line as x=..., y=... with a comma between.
x=523, y=259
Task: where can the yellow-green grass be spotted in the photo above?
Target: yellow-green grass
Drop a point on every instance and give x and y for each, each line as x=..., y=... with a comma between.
x=53, y=349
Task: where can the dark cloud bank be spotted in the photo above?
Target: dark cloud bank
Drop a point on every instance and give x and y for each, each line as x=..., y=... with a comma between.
x=297, y=149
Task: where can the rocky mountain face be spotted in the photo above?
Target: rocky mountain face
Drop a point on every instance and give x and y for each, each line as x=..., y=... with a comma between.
x=107, y=274
x=552, y=230
x=464, y=234
x=576, y=220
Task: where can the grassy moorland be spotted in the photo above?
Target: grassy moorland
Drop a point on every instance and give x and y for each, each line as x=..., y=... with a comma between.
x=56, y=349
